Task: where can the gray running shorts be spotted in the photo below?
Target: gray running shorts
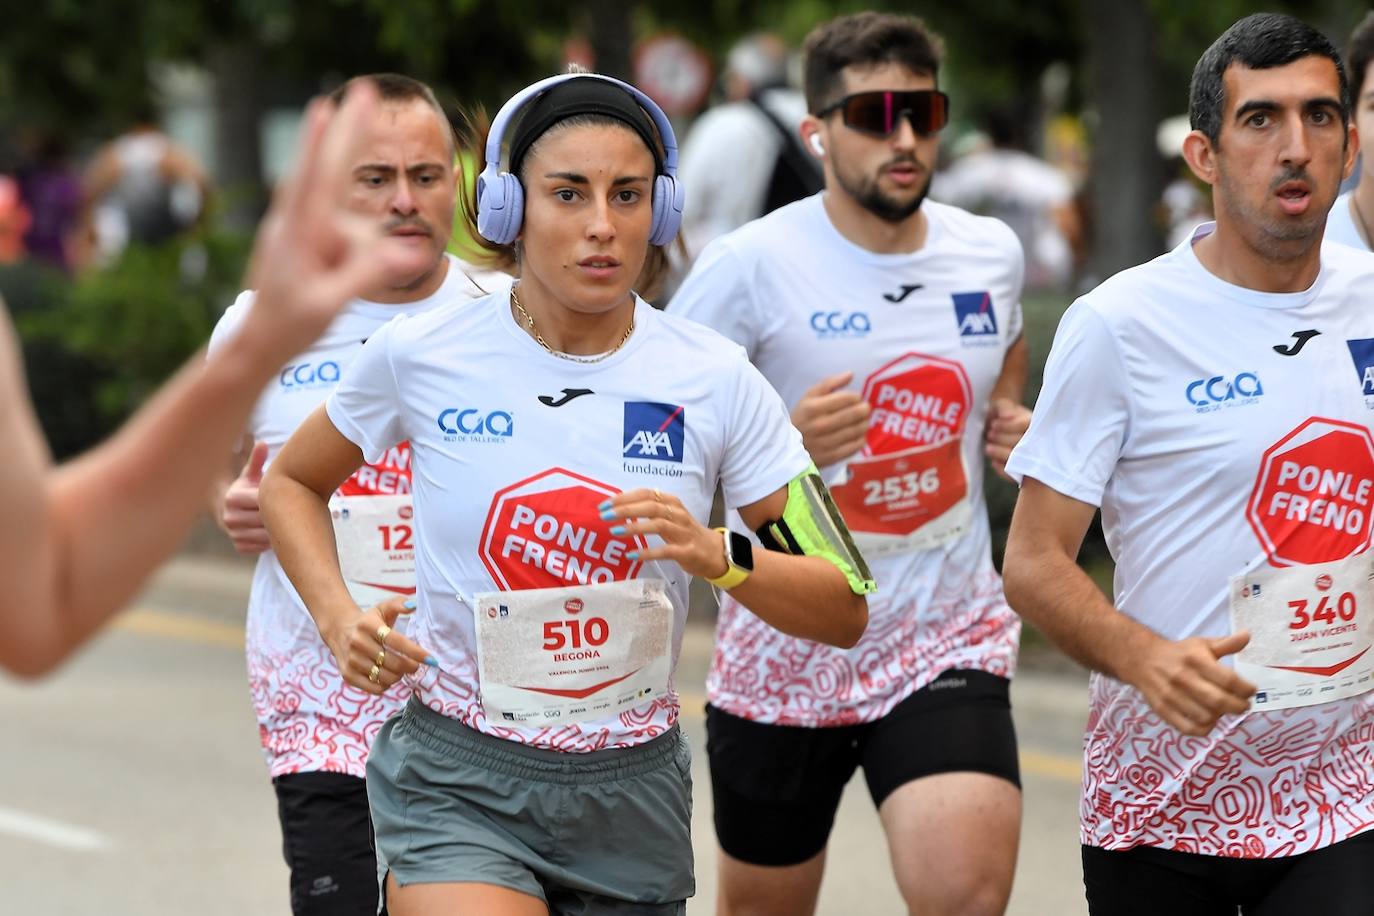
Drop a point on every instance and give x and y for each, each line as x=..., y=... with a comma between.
x=606, y=832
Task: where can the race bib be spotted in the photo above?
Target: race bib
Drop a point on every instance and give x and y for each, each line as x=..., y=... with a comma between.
x=911, y=501
x=1310, y=631
x=376, y=541
x=572, y=654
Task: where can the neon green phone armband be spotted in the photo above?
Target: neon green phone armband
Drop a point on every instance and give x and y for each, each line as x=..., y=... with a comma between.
x=812, y=526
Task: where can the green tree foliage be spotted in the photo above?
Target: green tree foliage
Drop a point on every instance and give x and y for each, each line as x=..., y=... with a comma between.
x=134, y=322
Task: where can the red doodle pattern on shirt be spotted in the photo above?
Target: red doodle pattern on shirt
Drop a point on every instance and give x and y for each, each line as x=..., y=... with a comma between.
x=761, y=674
x=309, y=720
x=1261, y=785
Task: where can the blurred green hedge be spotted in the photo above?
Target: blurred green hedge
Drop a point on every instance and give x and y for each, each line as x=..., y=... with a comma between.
x=95, y=346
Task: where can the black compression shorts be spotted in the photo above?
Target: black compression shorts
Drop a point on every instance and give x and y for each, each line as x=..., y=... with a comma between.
x=1337, y=880
x=776, y=787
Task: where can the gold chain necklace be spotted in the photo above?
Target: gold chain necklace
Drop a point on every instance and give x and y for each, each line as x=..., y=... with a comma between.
x=1364, y=226
x=539, y=338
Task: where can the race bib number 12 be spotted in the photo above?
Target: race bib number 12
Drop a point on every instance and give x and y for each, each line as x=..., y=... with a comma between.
x=376, y=541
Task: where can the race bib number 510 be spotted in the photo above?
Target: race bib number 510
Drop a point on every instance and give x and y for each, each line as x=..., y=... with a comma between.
x=573, y=654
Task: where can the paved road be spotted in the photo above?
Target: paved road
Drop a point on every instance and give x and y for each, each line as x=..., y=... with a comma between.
x=131, y=782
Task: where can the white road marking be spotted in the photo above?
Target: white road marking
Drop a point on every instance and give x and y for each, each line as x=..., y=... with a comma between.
x=53, y=833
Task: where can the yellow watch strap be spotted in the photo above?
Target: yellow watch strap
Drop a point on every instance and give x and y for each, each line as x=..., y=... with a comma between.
x=733, y=575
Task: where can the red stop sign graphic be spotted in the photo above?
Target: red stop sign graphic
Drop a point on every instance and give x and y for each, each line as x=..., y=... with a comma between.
x=918, y=401
x=546, y=532
x=1312, y=499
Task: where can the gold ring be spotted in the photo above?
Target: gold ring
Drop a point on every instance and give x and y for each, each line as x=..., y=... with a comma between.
x=382, y=632
x=658, y=496
x=380, y=660
x=374, y=674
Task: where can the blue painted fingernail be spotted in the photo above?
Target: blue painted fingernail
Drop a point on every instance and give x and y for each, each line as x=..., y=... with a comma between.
x=617, y=530
x=632, y=554
x=604, y=505
x=409, y=604
x=431, y=661
x=607, y=515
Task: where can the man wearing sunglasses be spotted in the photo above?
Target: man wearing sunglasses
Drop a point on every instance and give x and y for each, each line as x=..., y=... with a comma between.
x=892, y=326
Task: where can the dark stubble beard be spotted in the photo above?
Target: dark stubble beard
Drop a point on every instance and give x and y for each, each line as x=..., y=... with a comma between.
x=1279, y=239
x=865, y=190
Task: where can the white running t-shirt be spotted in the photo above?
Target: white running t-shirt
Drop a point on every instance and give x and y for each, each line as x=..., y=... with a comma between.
x=309, y=720
x=925, y=334
x=1193, y=412
x=1340, y=224
x=514, y=449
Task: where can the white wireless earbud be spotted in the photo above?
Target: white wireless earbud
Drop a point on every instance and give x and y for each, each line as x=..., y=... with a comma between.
x=816, y=145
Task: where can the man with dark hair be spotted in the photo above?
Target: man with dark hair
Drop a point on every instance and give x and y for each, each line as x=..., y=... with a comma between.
x=1352, y=218
x=891, y=324
x=315, y=729
x=1216, y=404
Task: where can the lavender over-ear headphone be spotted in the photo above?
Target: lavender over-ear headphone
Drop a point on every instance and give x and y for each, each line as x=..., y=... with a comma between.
x=501, y=199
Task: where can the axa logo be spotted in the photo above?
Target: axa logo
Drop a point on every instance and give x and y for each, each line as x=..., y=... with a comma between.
x=654, y=431
x=975, y=314
x=840, y=324
x=469, y=424
x=1362, y=353
x=1214, y=392
x=309, y=375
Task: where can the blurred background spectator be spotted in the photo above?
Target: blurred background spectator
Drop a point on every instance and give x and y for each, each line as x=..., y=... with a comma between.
x=995, y=176
x=743, y=157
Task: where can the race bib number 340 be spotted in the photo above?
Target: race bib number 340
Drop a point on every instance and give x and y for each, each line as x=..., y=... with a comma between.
x=573, y=654
x=1311, y=629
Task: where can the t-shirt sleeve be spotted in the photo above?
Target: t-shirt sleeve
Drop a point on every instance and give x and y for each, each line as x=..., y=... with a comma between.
x=716, y=293
x=763, y=450
x=365, y=406
x=230, y=321
x=1015, y=320
x=1082, y=417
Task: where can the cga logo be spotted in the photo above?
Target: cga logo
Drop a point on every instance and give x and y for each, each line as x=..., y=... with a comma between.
x=975, y=314
x=654, y=431
x=1208, y=394
x=839, y=324
x=1362, y=352
x=309, y=375
x=464, y=424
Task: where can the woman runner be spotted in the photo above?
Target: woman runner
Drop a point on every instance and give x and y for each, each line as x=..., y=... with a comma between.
x=567, y=439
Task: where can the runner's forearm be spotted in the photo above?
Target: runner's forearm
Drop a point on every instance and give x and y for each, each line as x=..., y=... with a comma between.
x=1011, y=383
x=806, y=597
x=1048, y=588
x=107, y=519
x=302, y=533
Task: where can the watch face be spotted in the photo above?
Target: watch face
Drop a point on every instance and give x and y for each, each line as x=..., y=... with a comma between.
x=741, y=551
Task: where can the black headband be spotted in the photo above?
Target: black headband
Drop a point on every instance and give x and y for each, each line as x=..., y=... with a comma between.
x=580, y=97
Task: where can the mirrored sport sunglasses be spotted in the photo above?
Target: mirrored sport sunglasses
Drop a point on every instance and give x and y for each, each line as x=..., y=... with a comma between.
x=876, y=113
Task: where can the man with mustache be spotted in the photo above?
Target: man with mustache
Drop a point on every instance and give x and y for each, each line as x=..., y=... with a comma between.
x=1215, y=403
x=892, y=326
x=315, y=729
